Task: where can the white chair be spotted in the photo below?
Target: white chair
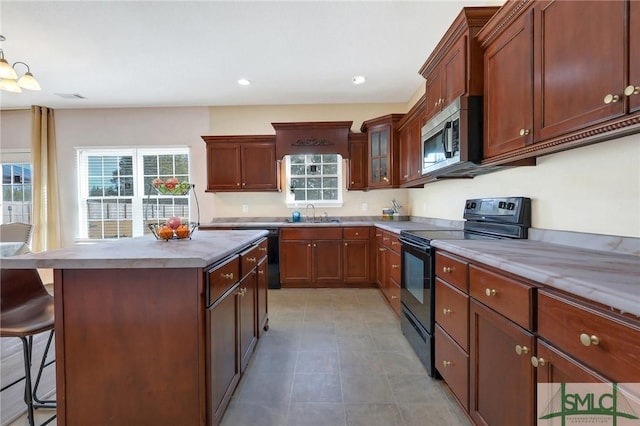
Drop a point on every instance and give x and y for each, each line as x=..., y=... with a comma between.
x=15, y=233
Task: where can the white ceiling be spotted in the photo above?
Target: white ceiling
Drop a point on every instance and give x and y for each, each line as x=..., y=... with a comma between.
x=191, y=53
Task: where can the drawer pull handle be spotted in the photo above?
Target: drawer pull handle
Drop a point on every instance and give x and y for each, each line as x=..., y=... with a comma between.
x=382, y=249
x=589, y=340
x=611, y=98
x=446, y=311
x=378, y=235
x=522, y=350
x=632, y=90
x=261, y=272
x=262, y=248
x=448, y=269
x=447, y=363
x=251, y=259
x=242, y=291
x=228, y=276
x=385, y=239
x=394, y=297
x=538, y=362
x=490, y=292
x=394, y=266
x=395, y=243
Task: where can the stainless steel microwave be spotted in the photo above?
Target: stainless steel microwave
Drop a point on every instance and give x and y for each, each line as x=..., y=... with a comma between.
x=452, y=139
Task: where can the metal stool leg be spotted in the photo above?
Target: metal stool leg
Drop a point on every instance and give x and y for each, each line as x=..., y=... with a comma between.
x=26, y=351
x=47, y=403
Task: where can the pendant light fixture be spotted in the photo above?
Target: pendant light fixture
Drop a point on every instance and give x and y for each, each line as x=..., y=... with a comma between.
x=9, y=80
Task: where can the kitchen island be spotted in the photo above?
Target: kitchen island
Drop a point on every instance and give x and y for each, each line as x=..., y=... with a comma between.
x=153, y=332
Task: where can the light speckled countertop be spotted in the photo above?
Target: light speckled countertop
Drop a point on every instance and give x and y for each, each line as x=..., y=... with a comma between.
x=204, y=248
x=611, y=279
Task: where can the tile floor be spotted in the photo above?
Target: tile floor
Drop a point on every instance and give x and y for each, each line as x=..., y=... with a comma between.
x=335, y=357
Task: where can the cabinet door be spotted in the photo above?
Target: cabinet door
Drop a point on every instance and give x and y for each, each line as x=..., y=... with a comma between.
x=508, y=84
x=554, y=366
x=502, y=382
x=247, y=324
x=355, y=260
x=634, y=54
x=327, y=261
x=295, y=261
x=379, y=149
x=381, y=268
x=410, y=147
x=224, y=359
x=433, y=93
x=357, y=164
x=261, y=297
x=223, y=167
x=454, y=67
x=580, y=58
x=259, y=167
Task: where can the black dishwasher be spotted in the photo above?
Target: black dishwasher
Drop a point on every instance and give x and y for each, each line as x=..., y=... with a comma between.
x=273, y=259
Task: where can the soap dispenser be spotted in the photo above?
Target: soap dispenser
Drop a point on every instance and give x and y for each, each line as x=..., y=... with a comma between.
x=295, y=216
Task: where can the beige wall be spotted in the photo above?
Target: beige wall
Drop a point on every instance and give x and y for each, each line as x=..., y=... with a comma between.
x=593, y=189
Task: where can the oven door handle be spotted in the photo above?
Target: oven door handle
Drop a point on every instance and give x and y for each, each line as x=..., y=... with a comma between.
x=419, y=247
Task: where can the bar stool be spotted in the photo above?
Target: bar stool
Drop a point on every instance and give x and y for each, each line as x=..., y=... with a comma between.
x=26, y=309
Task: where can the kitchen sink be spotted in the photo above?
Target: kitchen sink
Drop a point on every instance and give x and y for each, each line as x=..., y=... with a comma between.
x=316, y=220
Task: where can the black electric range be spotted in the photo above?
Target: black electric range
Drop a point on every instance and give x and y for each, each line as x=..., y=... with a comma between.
x=486, y=218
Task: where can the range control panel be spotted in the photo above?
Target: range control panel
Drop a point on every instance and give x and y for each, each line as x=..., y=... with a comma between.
x=516, y=210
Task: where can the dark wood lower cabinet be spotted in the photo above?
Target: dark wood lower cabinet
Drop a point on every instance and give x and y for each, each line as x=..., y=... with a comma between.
x=554, y=366
x=224, y=357
x=261, y=296
x=247, y=323
x=502, y=388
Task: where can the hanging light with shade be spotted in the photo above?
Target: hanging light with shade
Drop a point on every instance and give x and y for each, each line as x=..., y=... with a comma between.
x=9, y=80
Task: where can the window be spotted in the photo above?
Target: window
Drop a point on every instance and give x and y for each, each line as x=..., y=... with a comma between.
x=115, y=192
x=314, y=178
x=17, y=205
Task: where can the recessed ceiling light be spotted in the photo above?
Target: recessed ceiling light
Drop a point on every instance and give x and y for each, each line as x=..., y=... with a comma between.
x=359, y=79
x=244, y=82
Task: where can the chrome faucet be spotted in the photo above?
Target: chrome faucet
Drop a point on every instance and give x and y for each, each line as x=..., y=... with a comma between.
x=314, y=211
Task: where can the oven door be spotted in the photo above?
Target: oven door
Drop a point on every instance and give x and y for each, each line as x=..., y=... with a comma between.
x=417, y=283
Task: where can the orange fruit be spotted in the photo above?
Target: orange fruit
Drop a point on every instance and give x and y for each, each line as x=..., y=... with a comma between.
x=182, y=231
x=165, y=232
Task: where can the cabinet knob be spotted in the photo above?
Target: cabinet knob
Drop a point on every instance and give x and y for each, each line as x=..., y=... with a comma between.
x=522, y=350
x=394, y=266
x=538, y=361
x=446, y=363
x=227, y=276
x=524, y=132
x=589, y=340
x=406, y=176
x=352, y=182
x=309, y=245
x=631, y=90
x=251, y=259
x=490, y=292
x=244, y=183
x=447, y=269
x=446, y=311
x=345, y=244
x=384, y=178
x=435, y=104
x=238, y=184
x=610, y=98
x=315, y=245
x=261, y=272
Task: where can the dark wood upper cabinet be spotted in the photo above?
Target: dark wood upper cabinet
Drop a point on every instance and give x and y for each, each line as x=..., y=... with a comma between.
x=358, y=159
x=455, y=66
x=382, y=150
x=410, y=143
x=559, y=75
x=241, y=163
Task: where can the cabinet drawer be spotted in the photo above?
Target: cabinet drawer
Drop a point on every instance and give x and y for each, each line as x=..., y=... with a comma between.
x=393, y=263
x=355, y=233
x=453, y=364
x=452, y=312
x=326, y=233
x=509, y=297
x=379, y=236
x=222, y=277
x=263, y=247
x=249, y=260
x=452, y=270
x=610, y=345
x=391, y=241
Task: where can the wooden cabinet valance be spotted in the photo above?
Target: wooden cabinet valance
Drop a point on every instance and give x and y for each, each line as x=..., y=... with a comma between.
x=322, y=137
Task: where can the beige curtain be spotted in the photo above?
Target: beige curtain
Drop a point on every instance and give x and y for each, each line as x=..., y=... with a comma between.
x=46, y=207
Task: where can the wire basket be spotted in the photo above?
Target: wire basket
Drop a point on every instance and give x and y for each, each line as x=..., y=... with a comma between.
x=174, y=228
